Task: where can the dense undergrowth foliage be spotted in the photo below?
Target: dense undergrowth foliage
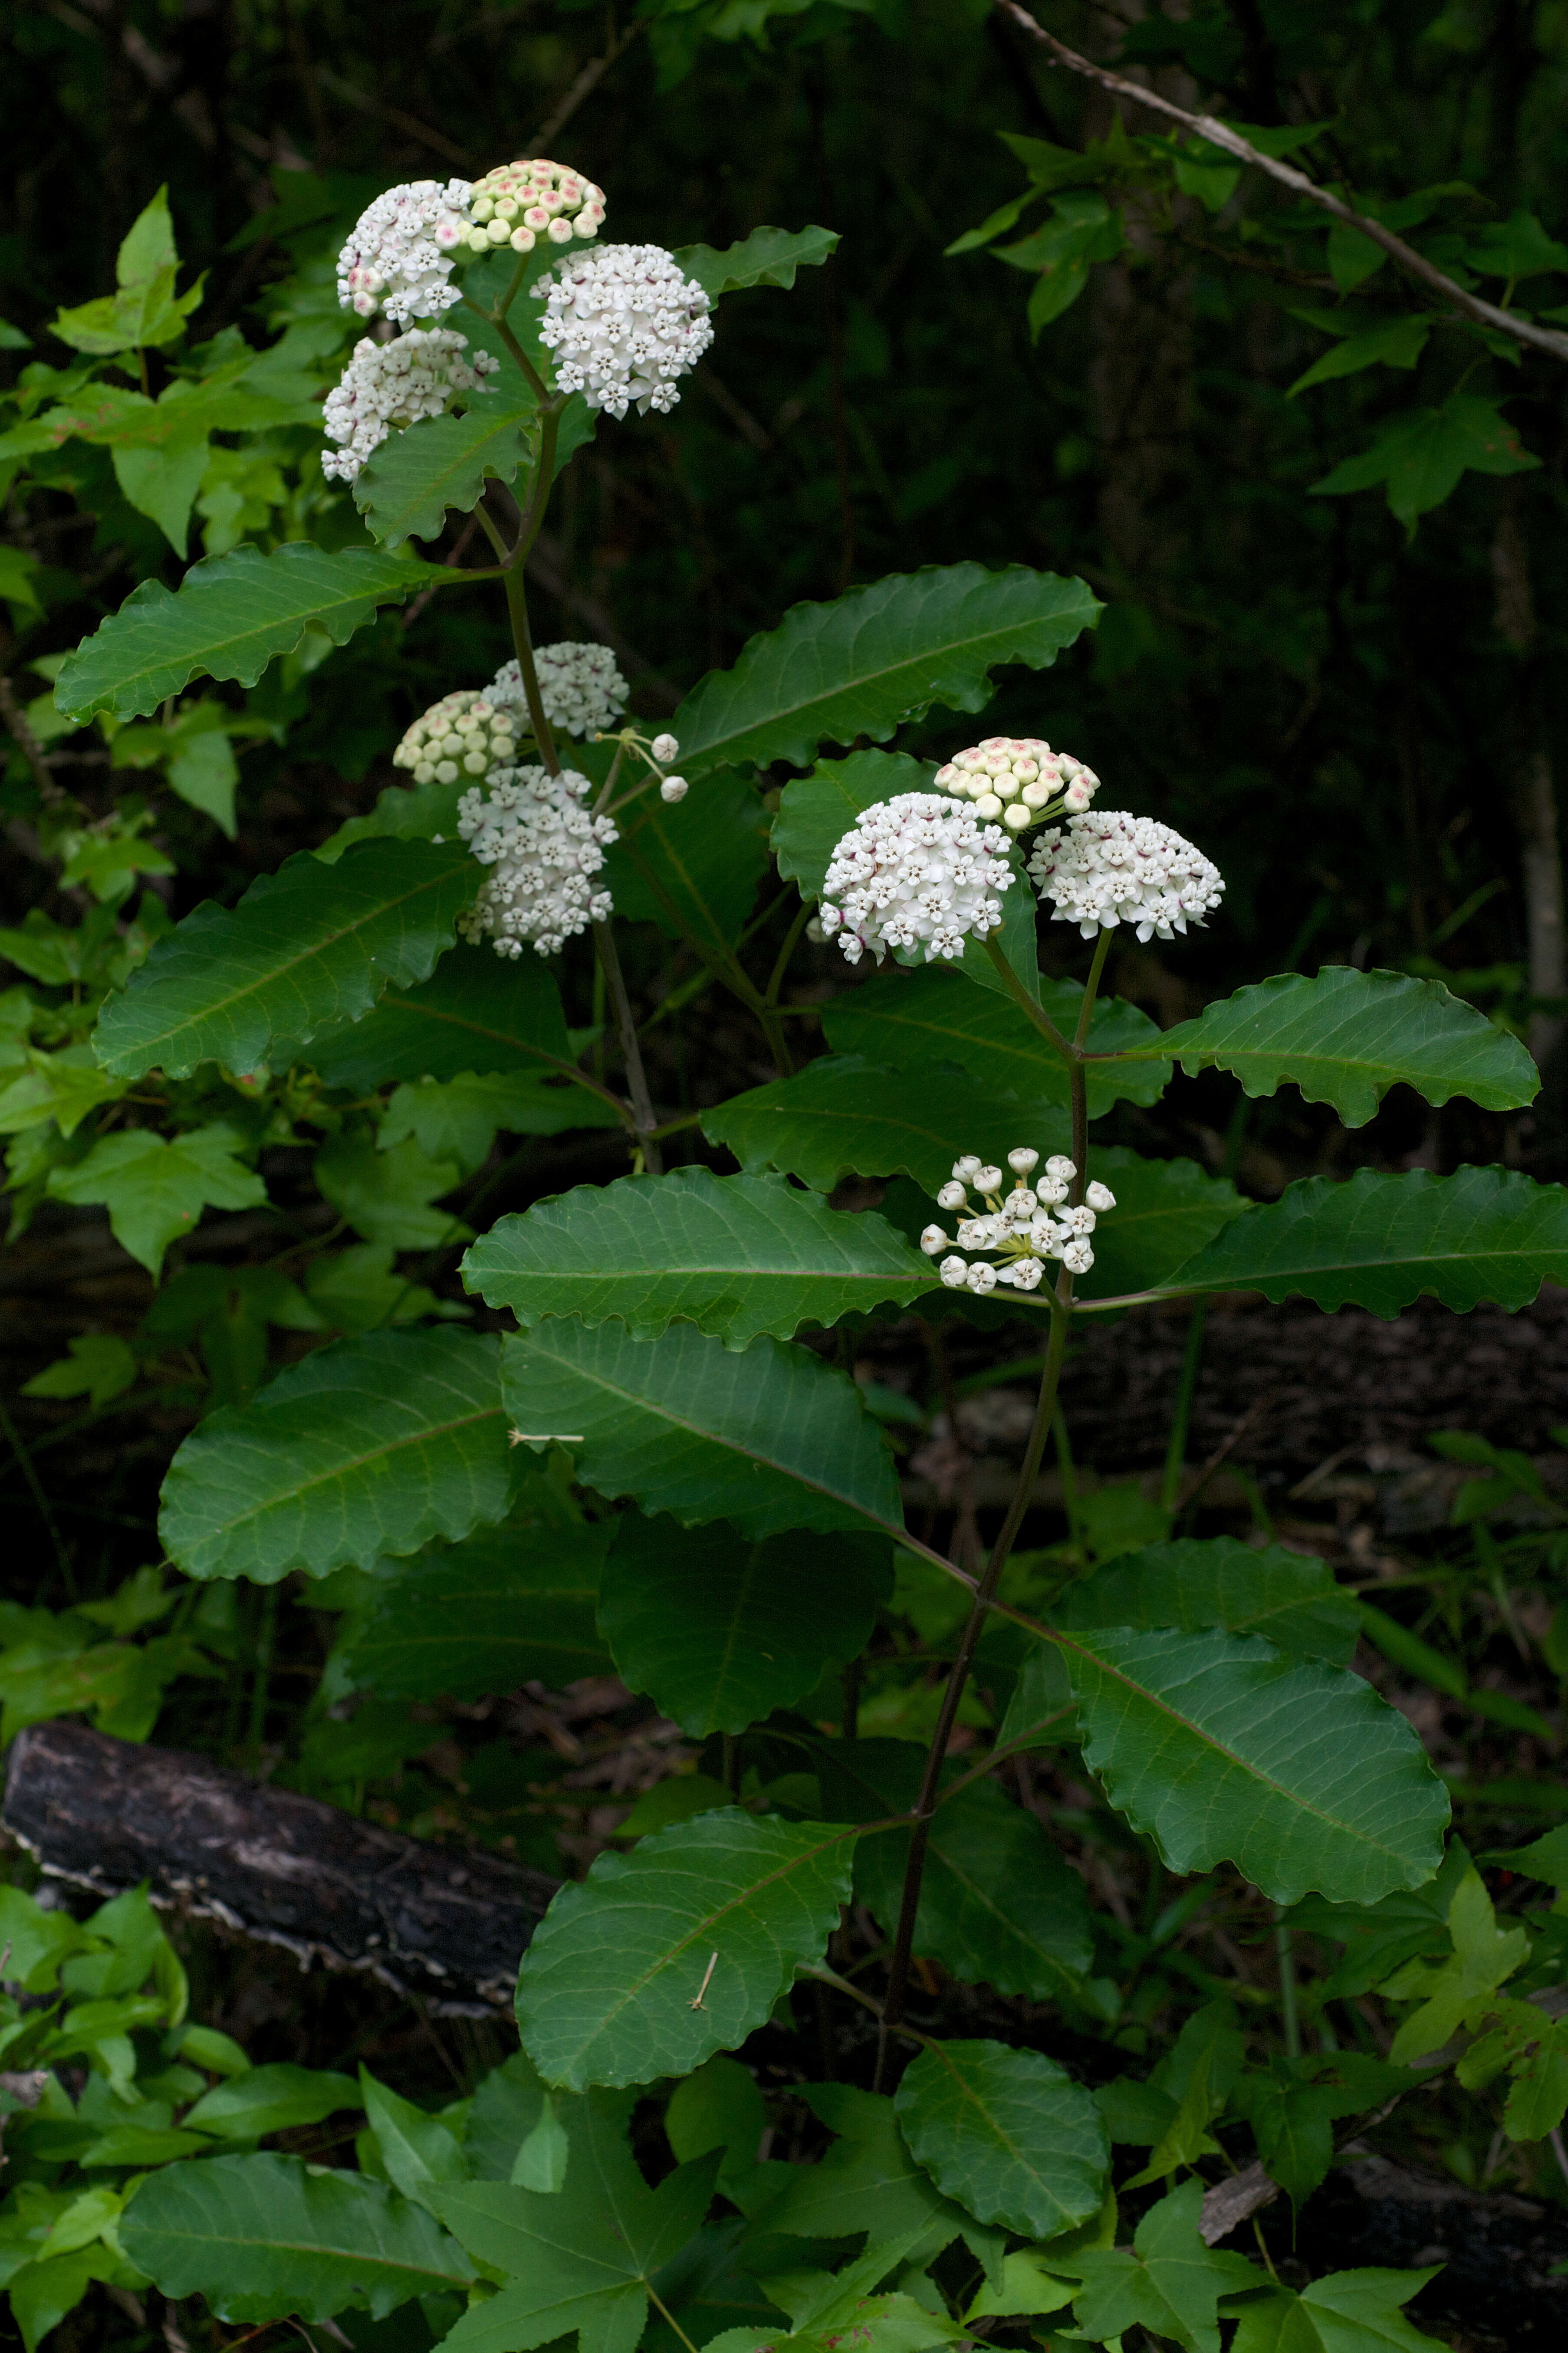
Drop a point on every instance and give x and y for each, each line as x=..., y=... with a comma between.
x=584, y=1069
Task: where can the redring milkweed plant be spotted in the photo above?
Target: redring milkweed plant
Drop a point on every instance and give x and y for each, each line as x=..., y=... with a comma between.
x=671, y=1418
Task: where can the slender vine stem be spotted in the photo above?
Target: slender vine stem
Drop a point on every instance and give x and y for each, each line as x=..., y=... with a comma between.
x=984, y=1601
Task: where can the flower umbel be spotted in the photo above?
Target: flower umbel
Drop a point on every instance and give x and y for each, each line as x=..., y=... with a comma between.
x=462, y=737
x=544, y=849
x=1023, y=1228
x=915, y=871
x=1113, y=868
x=395, y=384
x=1019, y=779
x=398, y=258
x=624, y=322
x=579, y=686
x=517, y=204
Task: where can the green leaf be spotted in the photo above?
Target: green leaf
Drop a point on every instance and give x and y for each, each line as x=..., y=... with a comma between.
x=867, y=2182
x=1517, y=248
x=99, y=1366
x=1381, y=1242
x=1221, y=1749
x=155, y=1188
x=227, y=619
x=1007, y=2134
x=845, y=1116
x=826, y=2308
x=410, y=812
x=1165, y=1210
x=476, y=1012
x=506, y=1606
x=1345, y=2311
x=457, y=1119
x=1168, y=2280
x=369, y=1445
x=148, y=244
x=310, y=945
x=692, y=867
x=387, y=1196
x=769, y=257
x=270, y=2099
x=1484, y=1955
x=876, y=656
x=930, y=1017
x=580, y=2258
x=1347, y=1036
x=205, y=775
x=608, y=1989
x=734, y=1255
x=416, y=2149
x=719, y=1633
x=998, y=1904
x=770, y=1439
x=1422, y=455
x=269, y=2237
x=162, y=483
x=1392, y=343
x=1290, y=1597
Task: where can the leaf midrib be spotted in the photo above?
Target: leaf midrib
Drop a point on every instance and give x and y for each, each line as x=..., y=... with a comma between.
x=376, y=1454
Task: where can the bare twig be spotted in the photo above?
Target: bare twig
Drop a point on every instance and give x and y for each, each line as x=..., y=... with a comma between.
x=583, y=87
x=1221, y=135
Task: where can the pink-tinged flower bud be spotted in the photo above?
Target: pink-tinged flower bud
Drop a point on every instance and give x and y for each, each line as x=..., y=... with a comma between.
x=1077, y=799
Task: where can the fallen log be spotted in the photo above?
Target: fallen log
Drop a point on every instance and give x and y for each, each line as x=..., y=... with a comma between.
x=448, y=1926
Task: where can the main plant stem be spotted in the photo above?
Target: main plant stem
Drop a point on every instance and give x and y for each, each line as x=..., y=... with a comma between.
x=1023, y=1494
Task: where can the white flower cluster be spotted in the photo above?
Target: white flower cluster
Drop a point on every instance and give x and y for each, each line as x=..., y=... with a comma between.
x=1026, y=1226
x=398, y=258
x=624, y=322
x=914, y=868
x=464, y=734
x=517, y=204
x=579, y=686
x=398, y=383
x=544, y=849
x=1115, y=868
x=1017, y=778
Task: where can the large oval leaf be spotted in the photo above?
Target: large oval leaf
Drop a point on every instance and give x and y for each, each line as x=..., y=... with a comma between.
x=230, y=617
x=476, y=1012
x=734, y=1255
x=307, y=946
x=1006, y=2133
x=933, y=1016
x=1380, y=1242
x=845, y=1116
x=506, y=1606
x=720, y=1632
x=1346, y=1037
x=270, y=2238
x=615, y=1987
x=369, y=1445
x=875, y=656
x=1222, y=1750
x=692, y=868
x=773, y=1439
x=1290, y=1597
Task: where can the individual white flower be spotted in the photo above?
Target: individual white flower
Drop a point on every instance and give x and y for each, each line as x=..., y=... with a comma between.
x=395, y=384
x=1017, y=778
x=517, y=204
x=1113, y=868
x=912, y=871
x=398, y=258
x=674, y=788
x=625, y=323
x=1023, y=1227
x=460, y=737
x=665, y=749
x=579, y=686
x=544, y=849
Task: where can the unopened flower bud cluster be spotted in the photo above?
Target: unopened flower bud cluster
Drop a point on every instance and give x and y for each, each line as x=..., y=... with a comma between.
x=395, y=384
x=463, y=735
x=543, y=848
x=914, y=871
x=1026, y=1226
x=579, y=686
x=662, y=751
x=517, y=204
x=625, y=323
x=1019, y=779
x=1111, y=868
x=400, y=255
